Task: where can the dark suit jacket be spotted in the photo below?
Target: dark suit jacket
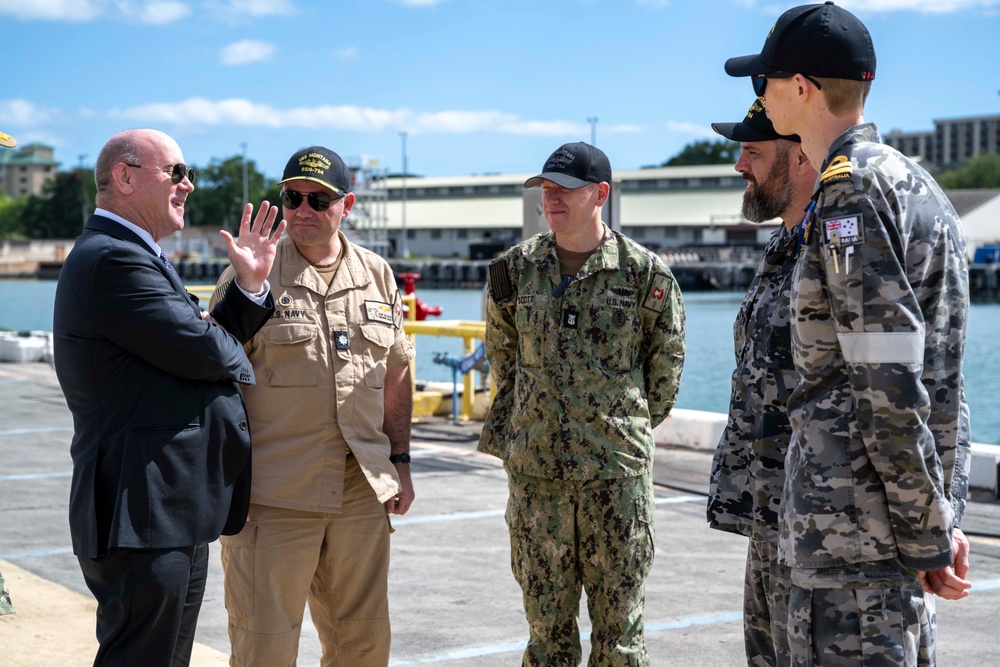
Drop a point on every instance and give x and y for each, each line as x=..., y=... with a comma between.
x=161, y=449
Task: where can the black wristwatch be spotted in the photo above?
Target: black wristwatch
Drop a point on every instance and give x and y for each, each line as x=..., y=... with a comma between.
x=399, y=458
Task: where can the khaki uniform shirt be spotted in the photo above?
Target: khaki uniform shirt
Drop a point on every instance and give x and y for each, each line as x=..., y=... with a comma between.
x=586, y=370
x=321, y=363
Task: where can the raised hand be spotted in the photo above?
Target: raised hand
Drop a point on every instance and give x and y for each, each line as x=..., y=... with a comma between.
x=252, y=253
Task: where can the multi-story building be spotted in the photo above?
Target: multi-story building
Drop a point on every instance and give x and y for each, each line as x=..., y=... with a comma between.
x=950, y=142
x=25, y=171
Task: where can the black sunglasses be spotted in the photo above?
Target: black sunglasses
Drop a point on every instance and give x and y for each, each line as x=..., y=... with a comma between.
x=178, y=172
x=318, y=201
x=760, y=81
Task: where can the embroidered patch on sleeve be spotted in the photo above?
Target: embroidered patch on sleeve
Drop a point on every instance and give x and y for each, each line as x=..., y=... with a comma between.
x=379, y=311
x=656, y=298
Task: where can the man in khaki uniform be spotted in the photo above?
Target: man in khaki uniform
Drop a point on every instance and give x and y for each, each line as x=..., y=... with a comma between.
x=330, y=417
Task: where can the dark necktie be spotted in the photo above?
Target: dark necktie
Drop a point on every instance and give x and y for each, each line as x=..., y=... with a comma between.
x=166, y=262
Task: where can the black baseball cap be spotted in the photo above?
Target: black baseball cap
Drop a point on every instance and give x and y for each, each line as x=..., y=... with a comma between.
x=756, y=126
x=820, y=40
x=573, y=166
x=319, y=165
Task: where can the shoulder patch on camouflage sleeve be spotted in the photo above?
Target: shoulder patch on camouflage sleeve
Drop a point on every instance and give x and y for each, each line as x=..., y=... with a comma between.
x=501, y=287
x=839, y=169
x=656, y=297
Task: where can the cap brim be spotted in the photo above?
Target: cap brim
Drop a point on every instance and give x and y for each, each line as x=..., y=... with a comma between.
x=314, y=180
x=743, y=132
x=7, y=140
x=747, y=66
x=562, y=180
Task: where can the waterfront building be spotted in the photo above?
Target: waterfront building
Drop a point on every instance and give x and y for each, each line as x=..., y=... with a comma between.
x=24, y=172
x=952, y=140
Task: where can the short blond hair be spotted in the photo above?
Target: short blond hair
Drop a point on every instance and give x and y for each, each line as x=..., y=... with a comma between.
x=844, y=96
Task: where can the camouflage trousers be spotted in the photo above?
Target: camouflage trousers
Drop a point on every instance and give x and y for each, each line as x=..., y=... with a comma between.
x=592, y=535
x=6, y=606
x=864, y=614
x=765, y=606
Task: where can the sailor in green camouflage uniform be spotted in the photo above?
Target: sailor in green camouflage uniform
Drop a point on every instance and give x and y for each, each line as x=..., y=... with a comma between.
x=585, y=340
x=749, y=467
x=877, y=466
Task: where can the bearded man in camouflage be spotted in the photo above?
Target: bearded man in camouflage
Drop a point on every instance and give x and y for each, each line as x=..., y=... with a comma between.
x=585, y=340
x=877, y=467
x=749, y=467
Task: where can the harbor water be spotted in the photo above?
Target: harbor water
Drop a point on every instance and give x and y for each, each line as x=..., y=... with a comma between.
x=27, y=305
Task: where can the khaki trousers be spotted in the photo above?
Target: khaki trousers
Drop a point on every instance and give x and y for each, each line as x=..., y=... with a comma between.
x=338, y=562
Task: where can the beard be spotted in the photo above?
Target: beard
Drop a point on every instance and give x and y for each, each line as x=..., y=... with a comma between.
x=770, y=197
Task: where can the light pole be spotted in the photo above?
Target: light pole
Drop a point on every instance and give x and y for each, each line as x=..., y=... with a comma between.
x=246, y=190
x=593, y=130
x=406, y=250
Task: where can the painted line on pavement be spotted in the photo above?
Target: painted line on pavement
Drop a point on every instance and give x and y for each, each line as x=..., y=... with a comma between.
x=486, y=514
x=30, y=431
x=37, y=554
x=518, y=646
x=34, y=475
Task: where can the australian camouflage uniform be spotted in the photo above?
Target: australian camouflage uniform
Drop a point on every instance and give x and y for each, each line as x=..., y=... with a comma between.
x=748, y=471
x=585, y=367
x=877, y=467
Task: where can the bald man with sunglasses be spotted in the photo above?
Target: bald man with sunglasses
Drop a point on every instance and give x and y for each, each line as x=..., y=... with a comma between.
x=161, y=444
x=331, y=421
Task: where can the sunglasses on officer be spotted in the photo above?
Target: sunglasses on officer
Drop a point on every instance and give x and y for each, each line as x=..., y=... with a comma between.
x=178, y=172
x=318, y=201
x=760, y=81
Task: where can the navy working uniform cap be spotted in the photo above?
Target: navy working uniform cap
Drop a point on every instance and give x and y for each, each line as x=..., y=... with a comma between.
x=573, y=166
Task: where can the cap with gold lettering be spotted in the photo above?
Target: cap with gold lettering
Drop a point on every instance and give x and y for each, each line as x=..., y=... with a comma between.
x=319, y=165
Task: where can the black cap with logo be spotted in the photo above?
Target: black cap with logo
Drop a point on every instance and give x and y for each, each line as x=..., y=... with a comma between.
x=819, y=40
x=756, y=126
x=319, y=165
x=573, y=166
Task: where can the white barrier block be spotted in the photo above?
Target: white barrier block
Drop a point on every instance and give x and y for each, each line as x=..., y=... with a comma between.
x=22, y=350
x=690, y=428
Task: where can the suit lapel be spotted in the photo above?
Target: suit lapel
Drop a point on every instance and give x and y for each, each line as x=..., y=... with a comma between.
x=99, y=223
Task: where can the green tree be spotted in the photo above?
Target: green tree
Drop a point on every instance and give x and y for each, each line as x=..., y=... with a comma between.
x=59, y=211
x=982, y=171
x=705, y=152
x=217, y=200
x=12, y=216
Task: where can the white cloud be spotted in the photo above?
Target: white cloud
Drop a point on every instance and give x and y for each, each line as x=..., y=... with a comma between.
x=923, y=6
x=156, y=12
x=22, y=113
x=245, y=52
x=261, y=7
x=420, y=3
x=874, y=6
x=201, y=111
x=691, y=129
x=657, y=4
x=346, y=53
x=52, y=10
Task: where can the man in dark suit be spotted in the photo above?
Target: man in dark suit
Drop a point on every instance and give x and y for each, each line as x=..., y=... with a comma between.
x=161, y=448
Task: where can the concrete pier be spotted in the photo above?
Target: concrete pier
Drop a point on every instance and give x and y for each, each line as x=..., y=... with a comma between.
x=453, y=600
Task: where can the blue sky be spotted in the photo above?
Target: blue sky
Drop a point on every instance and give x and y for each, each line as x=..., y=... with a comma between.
x=480, y=86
